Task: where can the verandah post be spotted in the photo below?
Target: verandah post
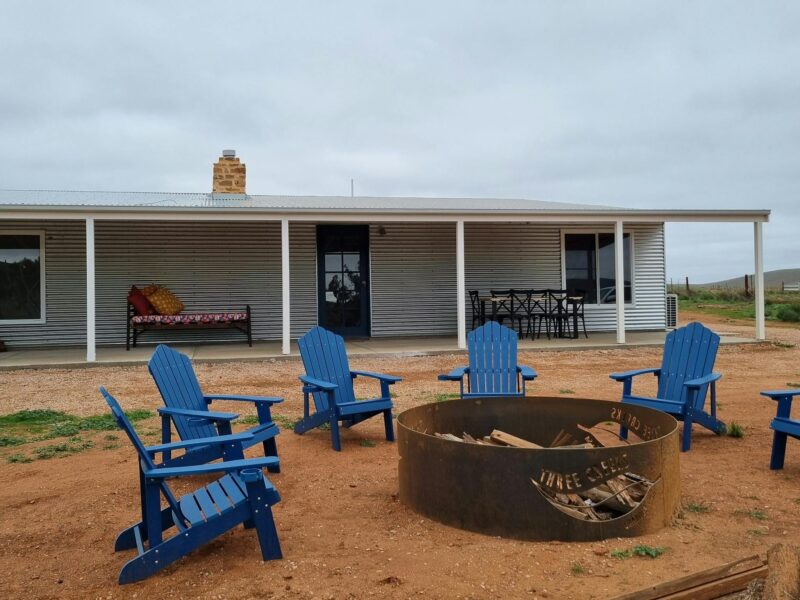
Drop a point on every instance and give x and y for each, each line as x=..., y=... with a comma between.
x=91, y=354
x=285, y=288
x=461, y=291
x=619, y=277
x=758, y=280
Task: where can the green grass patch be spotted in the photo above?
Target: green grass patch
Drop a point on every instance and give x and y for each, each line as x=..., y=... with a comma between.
x=577, y=569
x=27, y=426
x=640, y=550
x=757, y=532
x=697, y=507
x=793, y=385
x=755, y=514
x=735, y=430
x=735, y=304
x=566, y=391
x=249, y=420
x=18, y=458
x=366, y=444
x=63, y=449
x=445, y=397
x=285, y=422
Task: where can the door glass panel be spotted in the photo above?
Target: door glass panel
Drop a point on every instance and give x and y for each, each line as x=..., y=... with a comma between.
x=333, y=261
x=351, y=262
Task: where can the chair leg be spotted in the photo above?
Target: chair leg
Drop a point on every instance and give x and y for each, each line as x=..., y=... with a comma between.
x=271, y=449
x=583, y=320
x=336, y=441
x=263, y=519
x=388, y=425
x=687, y=434
x=778, y=450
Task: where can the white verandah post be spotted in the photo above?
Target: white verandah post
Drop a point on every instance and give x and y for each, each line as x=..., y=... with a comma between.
x=461, y=286
x=91, y=354
x=758, y=284
x=285, y=287
x=619, y=277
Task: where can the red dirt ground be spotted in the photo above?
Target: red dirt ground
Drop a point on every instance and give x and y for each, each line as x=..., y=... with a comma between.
x=343, y=531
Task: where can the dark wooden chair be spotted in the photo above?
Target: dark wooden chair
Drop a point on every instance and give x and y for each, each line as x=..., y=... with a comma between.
x=578, y=312
x=475, y=301
x=522, y=313
x=502, y=309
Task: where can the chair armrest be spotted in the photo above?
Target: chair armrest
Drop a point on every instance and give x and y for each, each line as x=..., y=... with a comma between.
x=455, y=375
x=387, y=378
x=630, y=374
x=777, y=394
x=326, y=386
x=255, y=399
x=217, y=440
x=197, y=414
x=226, y=466
x=705, y=379
x=527, y=373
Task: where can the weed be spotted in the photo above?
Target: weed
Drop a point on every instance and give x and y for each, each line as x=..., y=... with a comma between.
x=793, y=385
x=778, y=344
x=735, y=430
x=755, y=514
x=44, y=424
x=566, y=391
x=697, y=507
x=366, y=444
x=285, y=422
x=445, y=397
x=577, y=569
x=8, y=440
x=110, y=437
x=64, y=449
x=18, y=458
x=645, y=550
x=325, y=427
x=111, y=446
x=251, y=420
x=620, y=554
x=756, y=532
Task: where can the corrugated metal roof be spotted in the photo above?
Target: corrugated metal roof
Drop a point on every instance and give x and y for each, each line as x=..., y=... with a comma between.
x=181, y=200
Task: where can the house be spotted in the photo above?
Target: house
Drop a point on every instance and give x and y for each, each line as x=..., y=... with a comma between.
x=364, y=266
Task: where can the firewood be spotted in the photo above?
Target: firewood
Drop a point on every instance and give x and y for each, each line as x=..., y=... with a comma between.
x=468, y=438
x=449, y=436
x=607, y=501
x=511, y=440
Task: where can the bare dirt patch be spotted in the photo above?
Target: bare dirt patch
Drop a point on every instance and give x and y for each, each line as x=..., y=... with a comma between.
x=343, y=531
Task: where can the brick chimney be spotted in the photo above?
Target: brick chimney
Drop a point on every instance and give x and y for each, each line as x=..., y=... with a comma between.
x=229, y=174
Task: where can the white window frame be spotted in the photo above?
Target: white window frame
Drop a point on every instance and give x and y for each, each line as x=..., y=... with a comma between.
x=596, y=232
x=42, y=277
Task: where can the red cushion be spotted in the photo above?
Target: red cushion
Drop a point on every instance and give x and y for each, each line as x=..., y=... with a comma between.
x=139, y=301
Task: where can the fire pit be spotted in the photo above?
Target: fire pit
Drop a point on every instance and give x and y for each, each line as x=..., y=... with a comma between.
x=591, y=486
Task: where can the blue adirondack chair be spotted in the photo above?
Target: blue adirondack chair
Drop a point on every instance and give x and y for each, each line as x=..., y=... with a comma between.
x=783, y=425
x=242, y=495
x=493, y=368
x=683, y=380
x=187, y=408
x=329, y=381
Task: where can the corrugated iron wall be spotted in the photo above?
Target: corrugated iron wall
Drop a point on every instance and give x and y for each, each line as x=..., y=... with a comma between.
x=65, y=302
x=221, y=265
x=413, y=278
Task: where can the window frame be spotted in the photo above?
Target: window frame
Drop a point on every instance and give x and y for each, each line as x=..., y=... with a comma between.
x=42, y=277
x=596, y=233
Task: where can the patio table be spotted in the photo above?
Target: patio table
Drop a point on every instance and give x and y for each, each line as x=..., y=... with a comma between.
x=494, y=300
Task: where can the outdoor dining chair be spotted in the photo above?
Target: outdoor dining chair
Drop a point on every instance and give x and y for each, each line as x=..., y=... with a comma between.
x=475, y=302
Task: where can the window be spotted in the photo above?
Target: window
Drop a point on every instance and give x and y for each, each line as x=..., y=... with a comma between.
x=589, y=266
x=21, y=276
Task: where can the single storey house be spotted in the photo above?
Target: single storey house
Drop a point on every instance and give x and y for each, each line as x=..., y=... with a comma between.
x=363, y=266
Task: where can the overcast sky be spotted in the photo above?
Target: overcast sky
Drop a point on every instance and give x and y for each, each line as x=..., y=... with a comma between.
x=662, y=105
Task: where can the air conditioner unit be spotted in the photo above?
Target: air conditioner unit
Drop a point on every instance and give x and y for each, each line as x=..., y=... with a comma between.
x=672, y=311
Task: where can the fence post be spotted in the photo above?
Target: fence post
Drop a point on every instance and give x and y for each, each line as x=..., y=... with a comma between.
x=688, y=291
x=746, y=285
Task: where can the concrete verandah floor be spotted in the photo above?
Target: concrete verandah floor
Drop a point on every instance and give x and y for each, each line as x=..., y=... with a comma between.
x=117, y=355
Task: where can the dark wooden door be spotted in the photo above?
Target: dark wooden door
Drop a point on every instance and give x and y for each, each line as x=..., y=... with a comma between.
x=343, y=278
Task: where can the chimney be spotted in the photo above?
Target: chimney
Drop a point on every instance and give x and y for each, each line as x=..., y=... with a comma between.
x=229, y=174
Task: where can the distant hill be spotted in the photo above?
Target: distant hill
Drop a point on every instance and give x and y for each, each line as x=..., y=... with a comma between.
x=772, y=279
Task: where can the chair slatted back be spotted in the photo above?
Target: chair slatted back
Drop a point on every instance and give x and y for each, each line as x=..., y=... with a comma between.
x=689, y=353
x=504, y=306
x=539, y=302
x=521, y=302
x=144, y=458
x=492, y=360
x=175, y=379
x=475, y=301
x=325, y=357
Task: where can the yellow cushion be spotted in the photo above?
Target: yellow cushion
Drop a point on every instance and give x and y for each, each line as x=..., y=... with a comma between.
x=164, y=301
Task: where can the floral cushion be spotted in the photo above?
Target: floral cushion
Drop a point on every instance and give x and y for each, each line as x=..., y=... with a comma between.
x=191, y=318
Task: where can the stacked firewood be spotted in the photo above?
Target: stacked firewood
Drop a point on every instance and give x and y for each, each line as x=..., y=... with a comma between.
x=610, y=499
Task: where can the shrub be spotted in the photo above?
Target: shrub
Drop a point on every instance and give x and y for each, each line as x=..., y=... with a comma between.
x=787, y=312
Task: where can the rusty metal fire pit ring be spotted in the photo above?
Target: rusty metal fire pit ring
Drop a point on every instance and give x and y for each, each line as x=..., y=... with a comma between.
x=503, y=491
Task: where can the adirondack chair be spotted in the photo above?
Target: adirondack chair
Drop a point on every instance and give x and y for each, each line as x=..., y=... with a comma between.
x=188, y=408
x=684, y=377
x=783, y=425
x=493, y=368
x=329, y=381
x=241, y=495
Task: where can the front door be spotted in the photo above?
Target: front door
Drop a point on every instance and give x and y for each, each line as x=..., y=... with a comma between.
x=343, y=278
